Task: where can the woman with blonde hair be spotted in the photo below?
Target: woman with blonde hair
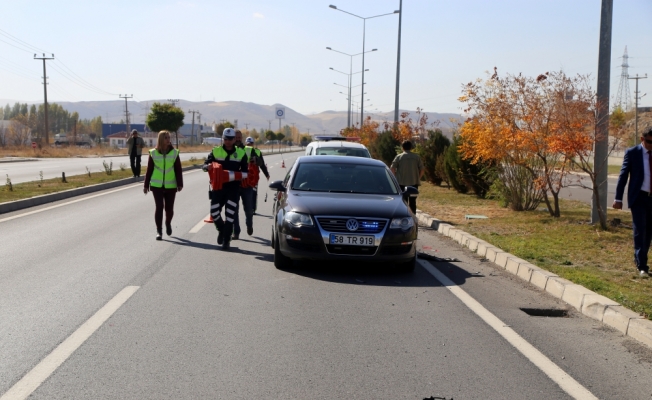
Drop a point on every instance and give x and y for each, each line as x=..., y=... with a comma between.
x=164, y=179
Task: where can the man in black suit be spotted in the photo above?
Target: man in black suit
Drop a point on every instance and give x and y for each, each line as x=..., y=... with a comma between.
x=637, y=163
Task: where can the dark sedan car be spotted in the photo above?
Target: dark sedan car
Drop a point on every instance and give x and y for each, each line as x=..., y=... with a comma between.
x=342, y=208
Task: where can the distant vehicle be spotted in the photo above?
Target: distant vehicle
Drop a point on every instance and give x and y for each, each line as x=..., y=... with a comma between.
x=343, y=208
x=212, y=141
x=337, y=147
x=61, y=139
x=272, y=142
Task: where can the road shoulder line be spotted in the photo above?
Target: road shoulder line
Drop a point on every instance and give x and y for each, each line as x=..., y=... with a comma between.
x=584, y=300
x=554, y=372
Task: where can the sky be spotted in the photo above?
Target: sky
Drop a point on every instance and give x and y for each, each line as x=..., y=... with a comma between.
x=274, y=52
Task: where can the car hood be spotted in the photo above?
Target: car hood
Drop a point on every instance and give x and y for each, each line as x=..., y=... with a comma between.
x=348, y=204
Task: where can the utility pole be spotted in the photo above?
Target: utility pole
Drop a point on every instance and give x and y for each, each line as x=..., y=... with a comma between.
x=602, y=127
x=126, y=110
x=200, y=126
x=269, y=124
x=45, y=96
x=192, y=129
x=636, y=97
x=173, y=101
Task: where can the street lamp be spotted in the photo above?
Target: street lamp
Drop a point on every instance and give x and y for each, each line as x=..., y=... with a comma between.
x=350, y=75
x=351, y=72
x=364, y=23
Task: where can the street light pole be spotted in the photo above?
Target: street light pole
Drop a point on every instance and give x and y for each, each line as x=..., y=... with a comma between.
x=349, y=116
x=364, y=21
x=398, y=61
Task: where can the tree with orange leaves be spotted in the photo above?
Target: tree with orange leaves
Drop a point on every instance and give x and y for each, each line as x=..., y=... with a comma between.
x=541, y=124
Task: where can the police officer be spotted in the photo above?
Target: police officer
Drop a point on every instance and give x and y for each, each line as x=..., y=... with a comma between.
x=236, y=222
x=231, y=158
x=260, y=162
x=249, y=187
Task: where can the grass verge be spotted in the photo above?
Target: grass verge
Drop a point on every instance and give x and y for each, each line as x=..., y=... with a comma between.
x=568, y=246
x=37, y=188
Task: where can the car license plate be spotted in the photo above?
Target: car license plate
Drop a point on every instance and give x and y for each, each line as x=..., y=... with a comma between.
x=352, y=240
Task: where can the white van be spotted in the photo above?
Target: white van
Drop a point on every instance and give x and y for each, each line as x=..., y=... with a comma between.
x=336, y=147
x=212, y=141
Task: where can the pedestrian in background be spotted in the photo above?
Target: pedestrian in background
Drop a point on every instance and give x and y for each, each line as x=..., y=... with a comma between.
x=637, y=165
x=408, y=169
x=135, y=146
x=164, y=179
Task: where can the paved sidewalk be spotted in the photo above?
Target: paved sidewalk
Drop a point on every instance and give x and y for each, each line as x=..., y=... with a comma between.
x=583, y=300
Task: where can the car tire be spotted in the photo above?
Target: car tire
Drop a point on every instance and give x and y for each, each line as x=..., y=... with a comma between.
x=271, y=243
x=280, y=261
x=408, y=266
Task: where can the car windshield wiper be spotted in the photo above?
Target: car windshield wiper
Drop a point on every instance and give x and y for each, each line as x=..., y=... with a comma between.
x=340, y=191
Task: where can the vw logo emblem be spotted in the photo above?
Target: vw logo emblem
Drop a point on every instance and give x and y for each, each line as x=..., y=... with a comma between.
x=352, y=225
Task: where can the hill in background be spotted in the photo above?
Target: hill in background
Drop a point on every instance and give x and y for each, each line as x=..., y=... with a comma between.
x=248, y=115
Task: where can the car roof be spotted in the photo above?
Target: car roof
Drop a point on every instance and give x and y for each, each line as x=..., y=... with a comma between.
x=338, y=143
x=340, y=160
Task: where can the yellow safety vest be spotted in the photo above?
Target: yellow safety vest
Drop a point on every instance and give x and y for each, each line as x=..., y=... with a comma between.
x=163, y=175
x=219, y=154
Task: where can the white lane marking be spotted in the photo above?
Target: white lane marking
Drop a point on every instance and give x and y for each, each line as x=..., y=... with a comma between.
x=76, y=201
x=34, y=378
x=199, y=225
x=561, y=378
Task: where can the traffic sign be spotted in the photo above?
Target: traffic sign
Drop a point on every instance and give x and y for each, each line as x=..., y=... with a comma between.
x=33, y=145
x=280, y=112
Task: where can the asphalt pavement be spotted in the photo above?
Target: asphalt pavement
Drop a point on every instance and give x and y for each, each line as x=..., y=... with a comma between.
x=93, y=307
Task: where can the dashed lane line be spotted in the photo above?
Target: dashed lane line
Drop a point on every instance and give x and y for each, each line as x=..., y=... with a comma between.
x=199, y=225
x=34, y=378
x=561, y=378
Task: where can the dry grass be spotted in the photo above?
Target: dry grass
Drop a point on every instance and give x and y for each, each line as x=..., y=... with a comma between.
x=568, y=246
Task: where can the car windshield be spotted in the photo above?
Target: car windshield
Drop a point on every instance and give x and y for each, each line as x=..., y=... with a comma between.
x=343, y=178
x=343, y=151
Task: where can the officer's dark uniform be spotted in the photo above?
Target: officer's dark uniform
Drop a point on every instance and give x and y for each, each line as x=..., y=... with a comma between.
x=233, y=160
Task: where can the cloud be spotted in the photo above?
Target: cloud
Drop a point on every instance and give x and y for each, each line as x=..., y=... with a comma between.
x=258, y=15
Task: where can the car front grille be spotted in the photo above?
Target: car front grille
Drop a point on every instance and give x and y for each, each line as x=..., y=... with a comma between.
x=338, y=225
x=352, y=250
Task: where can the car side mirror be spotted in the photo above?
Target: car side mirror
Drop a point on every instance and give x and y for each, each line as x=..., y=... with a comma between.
x=278, y=186
x=410, y=191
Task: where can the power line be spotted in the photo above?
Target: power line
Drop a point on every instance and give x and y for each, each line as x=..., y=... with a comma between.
x=83, y=80
x=24, y=43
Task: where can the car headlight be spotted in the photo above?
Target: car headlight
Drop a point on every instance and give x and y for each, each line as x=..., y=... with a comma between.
x=402, y=223
x=298, y=219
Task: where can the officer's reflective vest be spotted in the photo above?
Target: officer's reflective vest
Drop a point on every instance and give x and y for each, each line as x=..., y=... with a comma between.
x=233, y=164
x=163, y=175
x=253, y=175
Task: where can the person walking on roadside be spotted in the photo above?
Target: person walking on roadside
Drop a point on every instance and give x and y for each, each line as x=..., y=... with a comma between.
x=249, y=187
x=231, y=158
x=637, y=165
x=135, y=146
x=164, y=179
x=408, y=169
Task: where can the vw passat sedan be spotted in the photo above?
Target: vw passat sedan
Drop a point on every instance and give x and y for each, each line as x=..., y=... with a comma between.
x=342, y=208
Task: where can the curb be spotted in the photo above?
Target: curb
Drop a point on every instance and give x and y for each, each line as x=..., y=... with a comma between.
x=18, y=159
x=49, y=198
x=584, y=300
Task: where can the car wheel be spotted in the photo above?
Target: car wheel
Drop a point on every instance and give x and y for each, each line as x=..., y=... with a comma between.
x=280, y=261
x=271, y=243
x=409, y=265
